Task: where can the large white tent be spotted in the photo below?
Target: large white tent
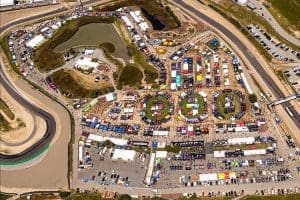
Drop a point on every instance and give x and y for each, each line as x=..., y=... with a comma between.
x=6, y=3
x=160, y=133
x=86, y=63
x=99, y=138
x=161, y=154
x=208, y=177
x=36, y=41
x=247, y=85
x=255, y=152
x=219, y=154
x=245, y=140
x=124, y=154
x=150, y=169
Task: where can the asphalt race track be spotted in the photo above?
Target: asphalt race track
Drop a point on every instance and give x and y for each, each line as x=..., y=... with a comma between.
x=50, y=122
x=254, y=62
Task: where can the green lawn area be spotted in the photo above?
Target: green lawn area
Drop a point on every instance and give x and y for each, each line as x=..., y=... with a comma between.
x=187, y=111
x=131, y=76
x=164, y=112
x=152, y=7
x=45, y=58
x=221, y=101
x=4, y=107
x=94, y=34
x=68, y=86
x=149, y=71
x=286, y=13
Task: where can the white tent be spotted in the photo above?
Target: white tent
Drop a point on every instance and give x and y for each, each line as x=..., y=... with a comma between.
x=219, y=154
x=245, y=140
x=173, y=86
x=128, y=110
x=160, y=133
x=124, y=154
x=136, y=18
x=6, y=3
x=36, y=41
x=127, y=21
x=80, y=151
x=110, y=97
x=208, y=177
x=247, y=85
x=150, y=169
x=241, y=129
x=99, y=138
x=86, y=63
x=161, y=154
x=173, y=73
x=255, y=152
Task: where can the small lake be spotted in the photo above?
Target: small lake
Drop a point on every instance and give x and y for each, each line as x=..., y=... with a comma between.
x=94, y=34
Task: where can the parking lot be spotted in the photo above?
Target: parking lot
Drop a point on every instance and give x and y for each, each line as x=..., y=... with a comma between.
x=276, y=49
x=106, y=171
x=293, y=76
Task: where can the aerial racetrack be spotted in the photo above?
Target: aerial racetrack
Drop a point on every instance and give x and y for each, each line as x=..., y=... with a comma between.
x=39, y=146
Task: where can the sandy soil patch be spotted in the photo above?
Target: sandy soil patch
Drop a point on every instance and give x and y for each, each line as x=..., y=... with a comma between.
x=9, y=16
x=88, y=80
x=18, y=136
x=297, y=34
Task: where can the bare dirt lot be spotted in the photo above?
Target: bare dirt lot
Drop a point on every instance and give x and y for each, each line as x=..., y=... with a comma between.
x=88, y=81
x=9, y=16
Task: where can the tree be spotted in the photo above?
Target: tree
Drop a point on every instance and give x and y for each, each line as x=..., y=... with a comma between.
x=252, y=98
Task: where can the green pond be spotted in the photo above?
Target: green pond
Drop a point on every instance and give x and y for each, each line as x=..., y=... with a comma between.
x=94, y=34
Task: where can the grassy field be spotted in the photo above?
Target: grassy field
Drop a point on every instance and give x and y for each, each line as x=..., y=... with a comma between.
x=221, y=101
x=154, y=8
x=71, y=88
x=185, y=110
x=94, y=34
x=149, y=71
x=286, y=13
x=241, y=17
x=44, y=56
x=4, y=107
x=4, y=125
x=164, y=111
x=130, y=76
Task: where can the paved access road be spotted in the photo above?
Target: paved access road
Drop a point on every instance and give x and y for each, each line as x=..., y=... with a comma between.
x=252, y=59
x=49, y=119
